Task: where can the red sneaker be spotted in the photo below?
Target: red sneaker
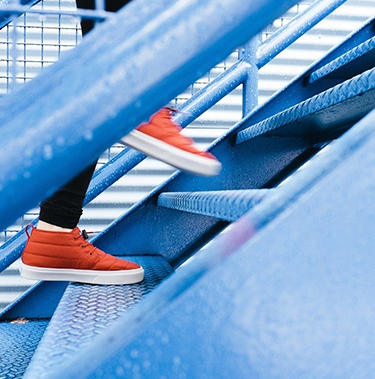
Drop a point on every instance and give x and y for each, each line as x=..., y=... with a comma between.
x=160, y=138
x=60, y=256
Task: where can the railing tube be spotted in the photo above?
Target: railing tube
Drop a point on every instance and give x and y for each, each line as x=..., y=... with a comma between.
x=300, y=24
x=250, y=85
x=213, y=92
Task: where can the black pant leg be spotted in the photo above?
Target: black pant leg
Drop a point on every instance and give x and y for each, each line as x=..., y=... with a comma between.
x=64, y=208
x=110, y=6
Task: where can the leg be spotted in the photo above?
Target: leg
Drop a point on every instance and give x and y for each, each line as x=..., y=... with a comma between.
x=64, y=208
x=110, y=5
x=57, y=250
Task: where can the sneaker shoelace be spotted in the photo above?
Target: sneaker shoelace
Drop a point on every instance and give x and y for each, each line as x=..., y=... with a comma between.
x=84, y=235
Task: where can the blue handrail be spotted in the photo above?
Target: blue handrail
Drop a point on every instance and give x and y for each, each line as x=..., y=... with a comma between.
x=290, y=32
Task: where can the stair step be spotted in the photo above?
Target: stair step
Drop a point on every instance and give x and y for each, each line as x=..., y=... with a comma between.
x=346, y=64
x=85, y=311
x=338, y=107
x=19, y=339
x=225, y=205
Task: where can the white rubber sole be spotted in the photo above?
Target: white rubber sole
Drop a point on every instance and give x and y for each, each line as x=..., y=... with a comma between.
x=82, y=276
x=164, y=152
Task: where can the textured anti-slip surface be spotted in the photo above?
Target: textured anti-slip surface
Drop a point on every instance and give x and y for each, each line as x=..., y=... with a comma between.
x=18, y=341
x=226, y=205
x=353, y=90
x=353, y=54
x=86, y=310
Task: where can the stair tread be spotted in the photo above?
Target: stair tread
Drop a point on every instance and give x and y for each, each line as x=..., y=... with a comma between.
x=18, y=343
x=85, y=311
x=340, y=105
x=365, y=50
x=225, y=205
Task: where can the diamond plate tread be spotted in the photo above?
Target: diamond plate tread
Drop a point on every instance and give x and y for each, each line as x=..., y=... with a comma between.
x=87, y=310
x=18, y=342
x=225, y=205
x=353, y=54
x=356, y=88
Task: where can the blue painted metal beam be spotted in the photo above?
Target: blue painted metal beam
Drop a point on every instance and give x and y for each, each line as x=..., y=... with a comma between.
x=260, y=306
x=250, y=86
x=225, y=205
x=39, y=301
x=93, y=95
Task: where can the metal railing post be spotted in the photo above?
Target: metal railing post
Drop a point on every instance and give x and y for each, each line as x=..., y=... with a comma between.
x=248, y=53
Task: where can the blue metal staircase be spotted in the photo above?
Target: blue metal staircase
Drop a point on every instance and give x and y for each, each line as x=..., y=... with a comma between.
x=286, y=292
